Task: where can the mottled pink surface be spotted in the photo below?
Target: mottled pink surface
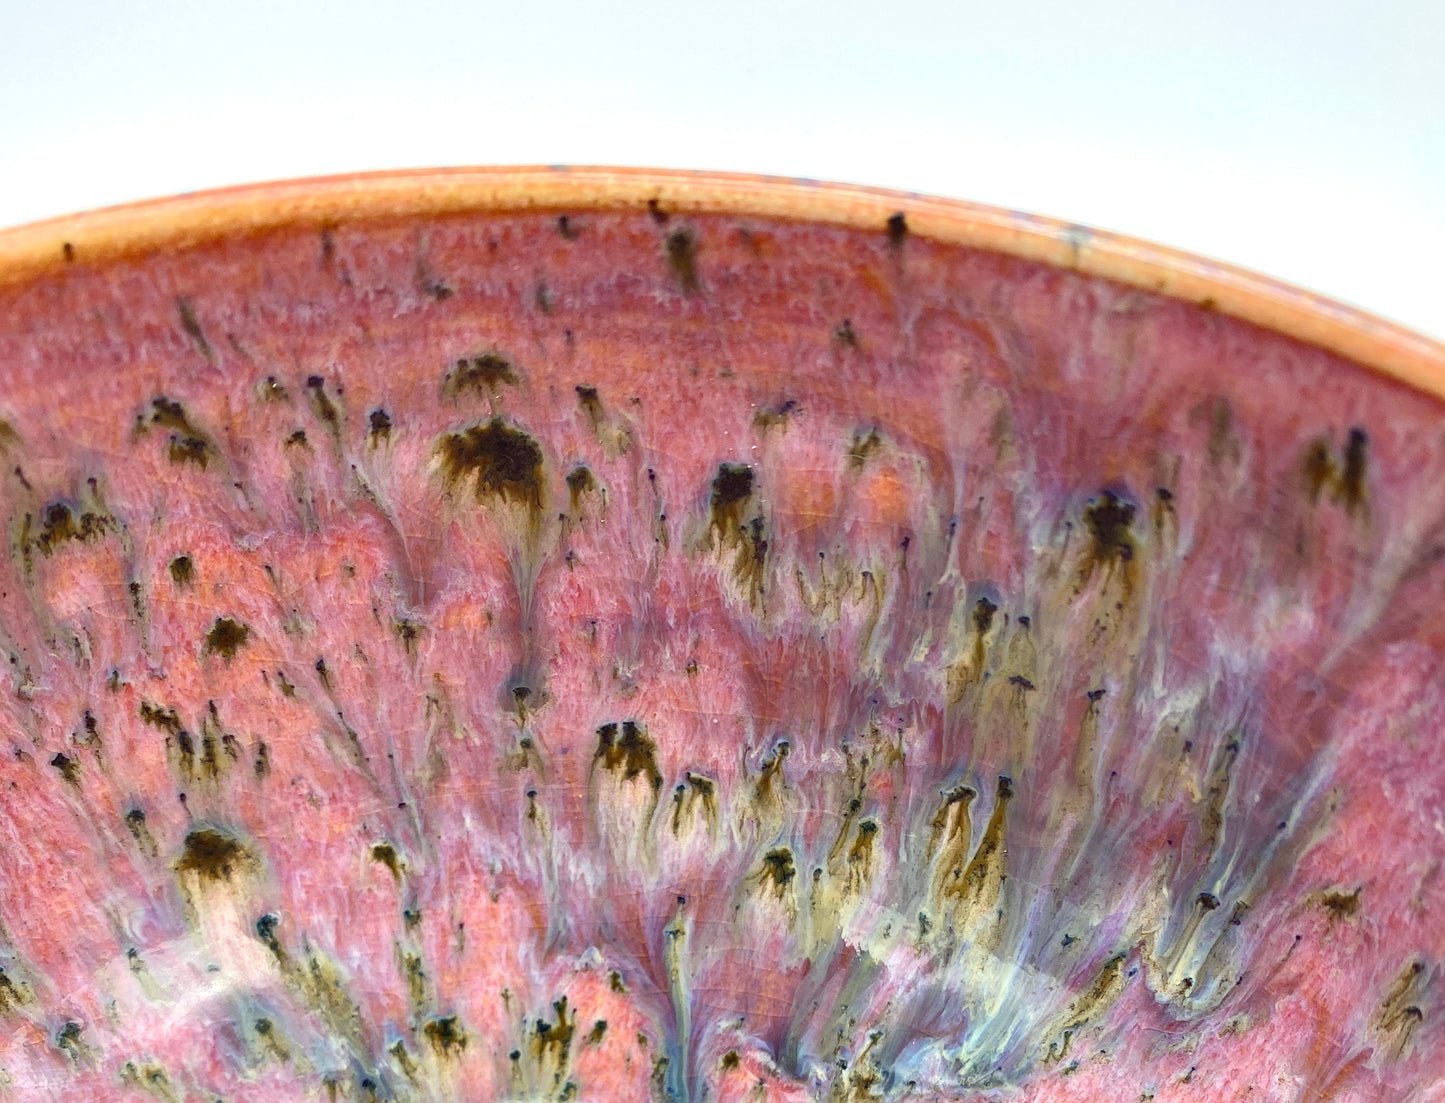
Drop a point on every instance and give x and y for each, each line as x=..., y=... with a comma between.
x=1020, y=687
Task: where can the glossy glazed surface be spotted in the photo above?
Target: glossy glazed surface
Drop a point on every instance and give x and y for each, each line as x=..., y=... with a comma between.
x=639, y=652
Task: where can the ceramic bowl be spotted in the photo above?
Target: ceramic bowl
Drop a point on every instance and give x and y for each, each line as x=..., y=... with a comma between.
x=599, y=634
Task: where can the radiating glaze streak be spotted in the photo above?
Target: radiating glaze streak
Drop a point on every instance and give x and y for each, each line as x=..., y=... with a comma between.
x=896, y=672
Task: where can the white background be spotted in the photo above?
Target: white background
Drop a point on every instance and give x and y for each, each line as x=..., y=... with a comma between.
x=1304, y=138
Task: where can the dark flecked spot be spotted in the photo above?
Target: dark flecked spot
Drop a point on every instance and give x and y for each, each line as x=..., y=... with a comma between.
x=484, y=374
x=1108, y=520
x=1340, y=905
x=732, y=486
x=226, y=637
x=211, y=854
x=68, y=768
x=188, y=450
x=183, y=570
x=61, y=524
x=983, y=611
x=385, y=853
x=380, y=423
x=632, y=752
x=446, y=1035
x=504, y=461
x=157, y=716
x=778, y=868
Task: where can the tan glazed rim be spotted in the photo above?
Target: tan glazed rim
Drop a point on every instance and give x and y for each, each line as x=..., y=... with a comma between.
x=115, y=233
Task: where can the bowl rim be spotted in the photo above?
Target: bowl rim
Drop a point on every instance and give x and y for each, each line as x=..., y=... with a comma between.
x=29, y=252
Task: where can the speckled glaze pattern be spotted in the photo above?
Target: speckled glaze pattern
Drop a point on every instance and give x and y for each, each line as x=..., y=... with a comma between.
x=657, y=653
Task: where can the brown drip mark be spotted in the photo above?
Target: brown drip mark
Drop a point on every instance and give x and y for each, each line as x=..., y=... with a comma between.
x=682, y=259
x=266, y=1030
x=446, y=1036
x=211, y=854
x=968, y=670
x=135, y=822
x=983, y=611
x=696, y=793
x=61, y=524
x=1351, y=490
x=1318, y=469
x=978, y=888
x=191, y=324
x=777, y=870
x=633, y=753
x=266, y=931
x=407, y=633
x=416, y=986
x=385, y=853
x=226, y=637
x=186, y=444
x=183, y=570
x=860, y=854
x=152, y=1079
x=950, y=840
x=158, y=716
x=1346, y=479
x=772, y=772
x=403, y=1060
x=580, y=482
x=379, y=422
x=590, y=403
x=1107, y=987
x=732, y=492
x=1217, y=792
x=897, y=230
x=484, y=374
x=1108, y=519
x=553, y=1041
x=1338, y=904
x=504, y=462
x=13, y=996
x=67, y=767
x=1400, y=1013
x=321, y=404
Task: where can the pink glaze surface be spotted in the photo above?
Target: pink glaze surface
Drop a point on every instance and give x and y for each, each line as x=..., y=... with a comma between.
x=697, y=656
